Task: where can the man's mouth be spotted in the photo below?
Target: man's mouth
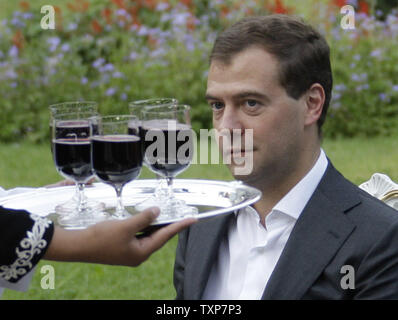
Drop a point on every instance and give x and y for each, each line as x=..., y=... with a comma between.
x=237, y=152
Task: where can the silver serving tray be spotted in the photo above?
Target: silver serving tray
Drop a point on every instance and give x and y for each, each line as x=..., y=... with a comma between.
x=211, y=197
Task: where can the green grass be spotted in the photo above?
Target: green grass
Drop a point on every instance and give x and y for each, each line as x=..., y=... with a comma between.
x=31, y=165
x=25, y=164
x=359, y=158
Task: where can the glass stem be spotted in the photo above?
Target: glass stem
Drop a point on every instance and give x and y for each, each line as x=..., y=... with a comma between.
x=77, y=192
x=170, y=187
x=81, y=199
x=159, y=190
x=119, y=205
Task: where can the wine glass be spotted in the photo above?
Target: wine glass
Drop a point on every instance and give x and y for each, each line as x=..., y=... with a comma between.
x=58, y=111
x=117, y=155
x=71, y=140
x=168, y=145
x=72, y=106
x=136, y=108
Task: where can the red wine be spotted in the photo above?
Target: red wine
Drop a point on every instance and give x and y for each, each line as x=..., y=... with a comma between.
x=137, y=131
x=116, y=159
x=72, y=128
x=75, y=128
x=163, y=140
x=72, y=158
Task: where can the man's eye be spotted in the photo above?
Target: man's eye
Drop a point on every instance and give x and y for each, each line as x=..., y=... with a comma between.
x=216, y=105
x=251, y=103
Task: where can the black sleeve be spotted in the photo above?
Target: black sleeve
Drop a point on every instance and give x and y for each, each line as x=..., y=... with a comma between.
x=24, y=239
x=377, y=276
x=179, y=264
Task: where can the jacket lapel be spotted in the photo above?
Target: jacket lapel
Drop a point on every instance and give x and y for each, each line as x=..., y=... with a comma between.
x=202, y=253
x=319, y=232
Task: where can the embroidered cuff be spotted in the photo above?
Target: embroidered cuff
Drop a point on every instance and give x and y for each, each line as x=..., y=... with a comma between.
x=24, y=239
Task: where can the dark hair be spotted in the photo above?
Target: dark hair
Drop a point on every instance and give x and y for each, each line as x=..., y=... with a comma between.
x=302, y=52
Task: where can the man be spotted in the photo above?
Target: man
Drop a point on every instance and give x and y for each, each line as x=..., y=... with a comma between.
x=272, y=74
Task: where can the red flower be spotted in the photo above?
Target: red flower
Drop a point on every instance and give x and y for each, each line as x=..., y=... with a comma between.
x=187, y=3
x=85, y=5
x=58, y=20
x=249, y=11
x=224, y=10
x=134, y=11
x=150, y=4
x=78, y=6
x=340, y=3
x=363, y=7
x=72, y=6
x=97, y=28
x=119, y=3
x=18, y=39
x=280, y=8
x=191, y=23
x=57, y=10
x=107, y=15
x=24, y=5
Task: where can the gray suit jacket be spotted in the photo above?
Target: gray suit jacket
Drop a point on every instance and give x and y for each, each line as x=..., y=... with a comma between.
x=340, y=225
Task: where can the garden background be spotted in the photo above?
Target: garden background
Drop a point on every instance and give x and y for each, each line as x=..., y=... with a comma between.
x=116, y=51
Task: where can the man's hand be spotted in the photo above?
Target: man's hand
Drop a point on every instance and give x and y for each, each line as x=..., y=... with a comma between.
x=113, y=242
x=126, y=248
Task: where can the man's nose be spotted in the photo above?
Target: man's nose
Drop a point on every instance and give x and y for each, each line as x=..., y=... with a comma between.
x=230, y=119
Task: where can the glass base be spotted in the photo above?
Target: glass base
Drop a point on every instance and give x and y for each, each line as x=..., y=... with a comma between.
x=177, y=209
x=149, y=203
x=121, y=215
x=81, y=220
x=170, y=208
x=70, y=207
x=174, y=208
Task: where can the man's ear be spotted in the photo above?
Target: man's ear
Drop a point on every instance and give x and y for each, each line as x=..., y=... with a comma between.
x=315, y=98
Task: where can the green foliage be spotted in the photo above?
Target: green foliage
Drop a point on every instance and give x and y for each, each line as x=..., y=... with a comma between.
x=113, y=63
x=384, y=7
x=365, y=94
x=114, y=54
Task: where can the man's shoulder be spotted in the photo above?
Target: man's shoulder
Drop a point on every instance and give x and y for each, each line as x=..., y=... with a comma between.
x=368, y=209
x=373, y=210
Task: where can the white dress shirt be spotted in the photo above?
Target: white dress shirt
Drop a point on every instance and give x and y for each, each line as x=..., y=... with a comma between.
x=248, y=255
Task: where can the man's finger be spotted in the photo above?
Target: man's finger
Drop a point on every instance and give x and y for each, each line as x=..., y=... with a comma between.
x=62, y=183
x=156, y=240
x=143, y=219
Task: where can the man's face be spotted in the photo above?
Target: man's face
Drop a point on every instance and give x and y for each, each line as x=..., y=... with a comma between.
x=246, y=94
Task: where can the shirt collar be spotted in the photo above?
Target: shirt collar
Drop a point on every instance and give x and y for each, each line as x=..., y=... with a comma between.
x=296, y=199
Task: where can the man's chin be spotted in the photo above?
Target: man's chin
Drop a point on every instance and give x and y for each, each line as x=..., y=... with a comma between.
x=242, y=168
x=239, y=174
